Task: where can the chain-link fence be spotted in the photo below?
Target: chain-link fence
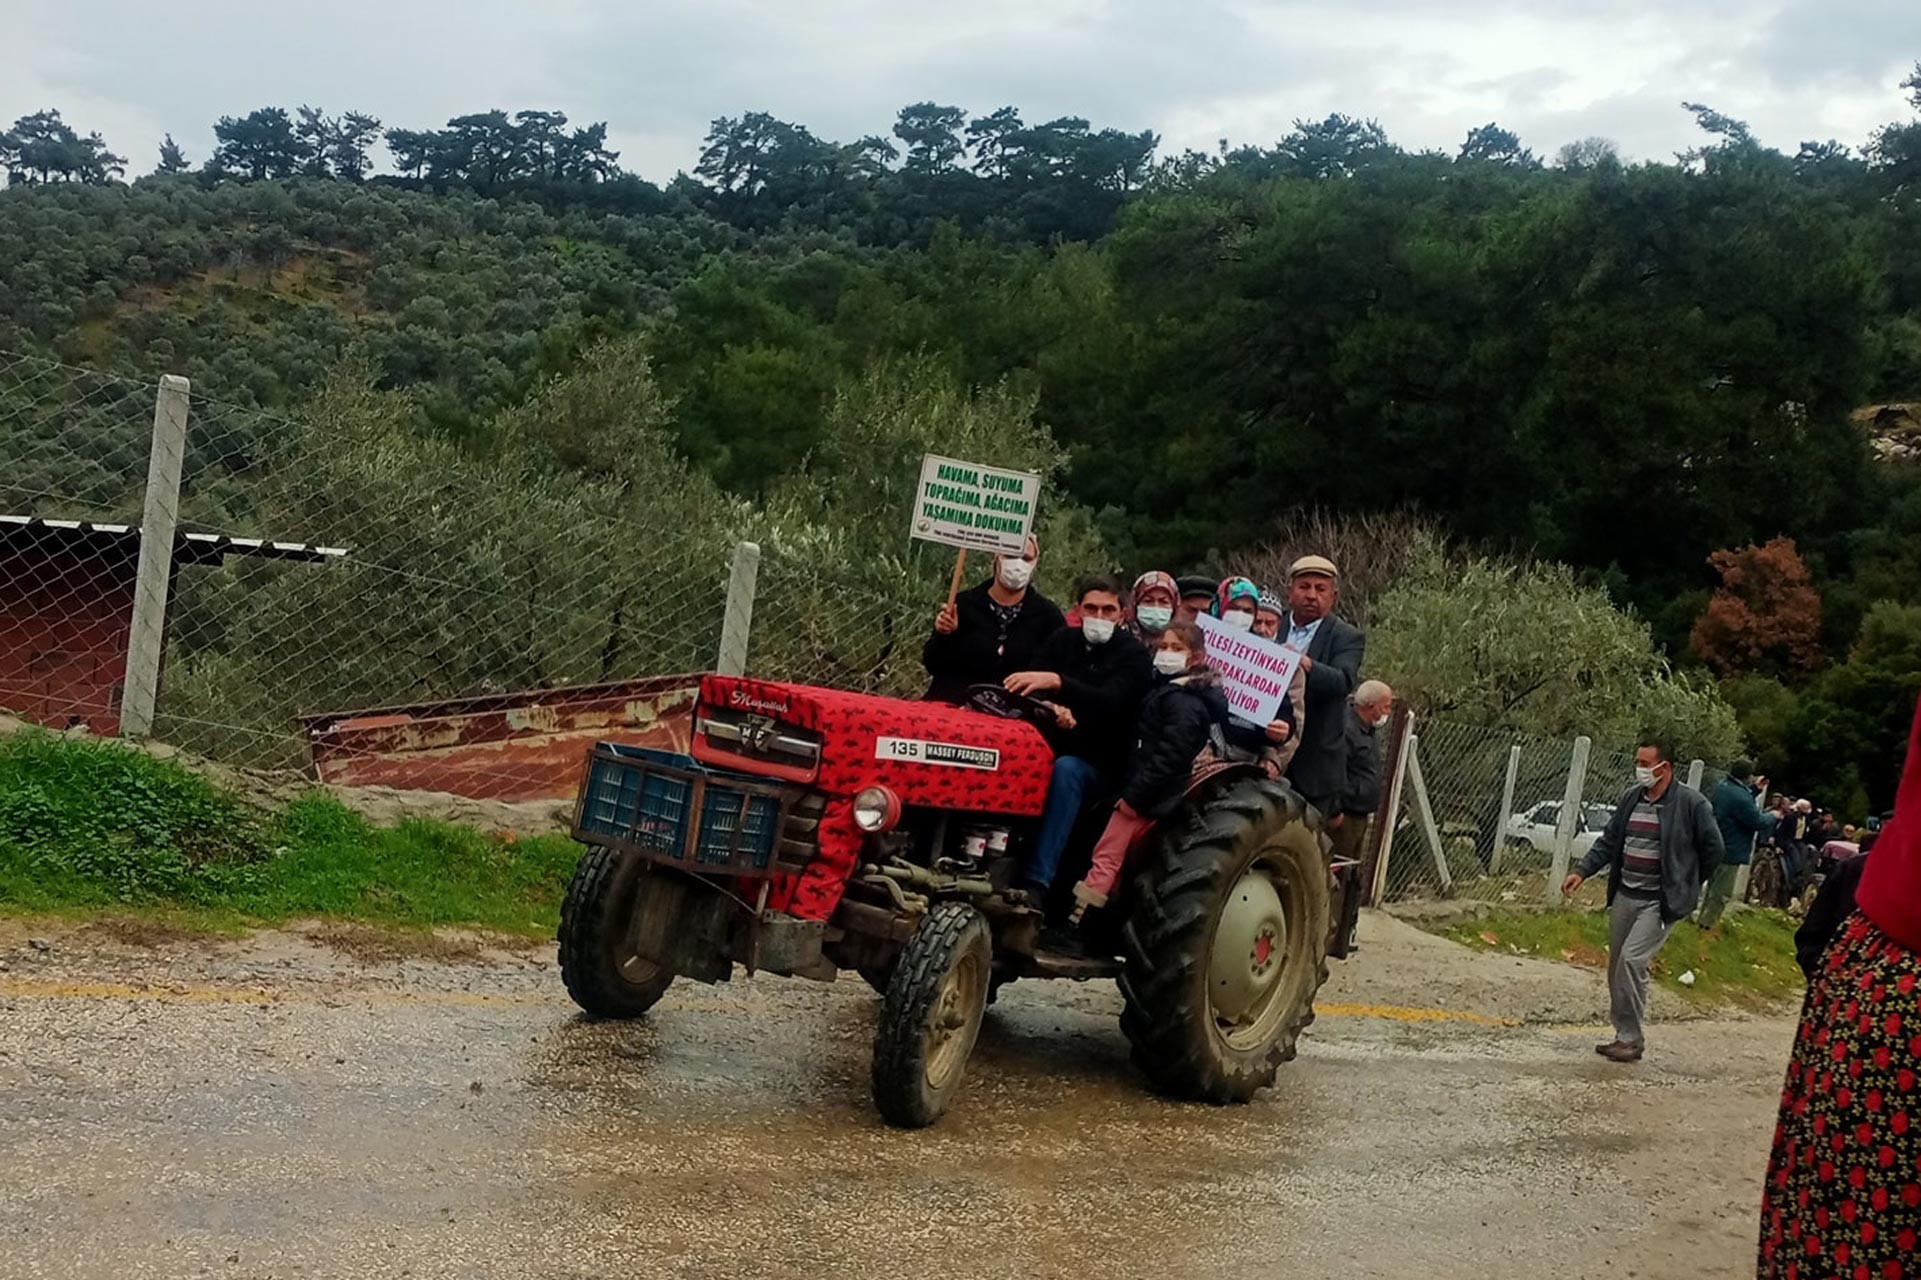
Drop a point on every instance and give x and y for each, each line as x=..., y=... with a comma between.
x=1485, y=815
x=318, y=564
x=823, y=620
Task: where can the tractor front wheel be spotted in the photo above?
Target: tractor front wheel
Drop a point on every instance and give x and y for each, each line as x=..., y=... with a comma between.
x=603, y=973
x=932, y=1014
x=1227, y=946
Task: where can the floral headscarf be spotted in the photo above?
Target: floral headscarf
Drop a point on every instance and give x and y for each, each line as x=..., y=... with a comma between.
x=1232, y=589
x=1151, y=580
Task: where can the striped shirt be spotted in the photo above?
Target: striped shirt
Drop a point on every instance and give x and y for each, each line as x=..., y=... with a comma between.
x=1641, y=850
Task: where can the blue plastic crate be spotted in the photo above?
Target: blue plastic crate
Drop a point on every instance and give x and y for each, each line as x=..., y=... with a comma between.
x=633, y=799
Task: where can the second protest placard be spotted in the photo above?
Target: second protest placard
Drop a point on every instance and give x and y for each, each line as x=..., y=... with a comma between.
x=1254, y=672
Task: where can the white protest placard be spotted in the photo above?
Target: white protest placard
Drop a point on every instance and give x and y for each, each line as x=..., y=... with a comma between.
x=1254, y=672
x=976, y=508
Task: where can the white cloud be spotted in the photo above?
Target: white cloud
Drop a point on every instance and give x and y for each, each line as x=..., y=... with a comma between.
x=1552, y=70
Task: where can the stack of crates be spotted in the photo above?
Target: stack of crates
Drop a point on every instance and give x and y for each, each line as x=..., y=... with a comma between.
x=640, y=797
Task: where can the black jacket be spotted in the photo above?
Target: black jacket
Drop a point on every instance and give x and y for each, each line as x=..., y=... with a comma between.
x=1176, y=719
x=1361, y=791
x=1102, y=684
x=1319, y=768
x=973, y=654
x=1833, y=904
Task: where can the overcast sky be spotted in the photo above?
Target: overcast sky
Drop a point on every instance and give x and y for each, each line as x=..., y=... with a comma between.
x=1192, y=70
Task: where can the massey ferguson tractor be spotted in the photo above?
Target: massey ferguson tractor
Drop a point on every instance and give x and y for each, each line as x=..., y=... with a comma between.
x=813, y=830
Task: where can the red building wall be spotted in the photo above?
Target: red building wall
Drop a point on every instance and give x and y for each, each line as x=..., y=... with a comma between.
x=64, y=622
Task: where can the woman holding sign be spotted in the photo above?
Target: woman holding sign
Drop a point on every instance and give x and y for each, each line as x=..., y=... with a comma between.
x=990, y=631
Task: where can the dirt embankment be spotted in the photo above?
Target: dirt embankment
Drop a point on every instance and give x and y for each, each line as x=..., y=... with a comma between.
x=387, y=806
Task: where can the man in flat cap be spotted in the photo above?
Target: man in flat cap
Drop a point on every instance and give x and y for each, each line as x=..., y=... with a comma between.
x=1333, y=667
x=1197, y=592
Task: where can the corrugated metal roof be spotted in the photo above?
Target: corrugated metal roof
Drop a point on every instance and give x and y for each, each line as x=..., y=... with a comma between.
x=188, y=547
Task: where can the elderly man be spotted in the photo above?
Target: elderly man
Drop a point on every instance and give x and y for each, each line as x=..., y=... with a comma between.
x=1332, y=669
x=1367, y=711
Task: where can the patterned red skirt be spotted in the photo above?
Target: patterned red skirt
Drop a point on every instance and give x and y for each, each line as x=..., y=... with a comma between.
x=1843, y=1195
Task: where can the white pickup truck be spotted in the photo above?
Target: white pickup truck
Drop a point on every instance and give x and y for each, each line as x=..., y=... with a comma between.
x=1536, y=826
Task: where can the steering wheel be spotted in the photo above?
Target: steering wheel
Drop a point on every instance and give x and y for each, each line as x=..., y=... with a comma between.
x=994, y=700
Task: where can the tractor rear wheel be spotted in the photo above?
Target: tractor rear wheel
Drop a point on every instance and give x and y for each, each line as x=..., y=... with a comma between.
x=932, y=1015
x=1227, y=946
x=603, y=973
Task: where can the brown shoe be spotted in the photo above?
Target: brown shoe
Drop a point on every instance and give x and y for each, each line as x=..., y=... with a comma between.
x=1620, y=1051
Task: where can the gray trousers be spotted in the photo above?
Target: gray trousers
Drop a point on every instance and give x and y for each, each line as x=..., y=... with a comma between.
x=1718, y=893
x=1635, y=934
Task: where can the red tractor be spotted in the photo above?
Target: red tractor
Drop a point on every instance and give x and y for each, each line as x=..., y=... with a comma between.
x=814, y=830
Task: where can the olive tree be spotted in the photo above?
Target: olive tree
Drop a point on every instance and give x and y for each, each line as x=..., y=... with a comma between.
x=1525, y=646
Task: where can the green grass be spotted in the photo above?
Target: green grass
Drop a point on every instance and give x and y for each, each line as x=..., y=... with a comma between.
x=89, y=825
x=1746, y=960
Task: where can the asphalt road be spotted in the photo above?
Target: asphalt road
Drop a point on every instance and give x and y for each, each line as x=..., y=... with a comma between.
x=284, y=1108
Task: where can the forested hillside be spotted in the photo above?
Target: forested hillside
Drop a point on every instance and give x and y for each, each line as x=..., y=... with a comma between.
x=1626, y=368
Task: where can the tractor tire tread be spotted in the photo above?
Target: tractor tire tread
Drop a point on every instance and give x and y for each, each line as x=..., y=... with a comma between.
x=898, y=1069
x=1165, y=1016
x=587, y=913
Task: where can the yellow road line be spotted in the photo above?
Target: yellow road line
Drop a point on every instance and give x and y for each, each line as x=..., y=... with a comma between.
x=181, y=993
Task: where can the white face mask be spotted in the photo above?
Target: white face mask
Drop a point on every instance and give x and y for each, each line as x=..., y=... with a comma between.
x=1644, y=774
x=1016, y=574
x=1097, y=630
x=1240, y=621
x=1170, y=662
x=1154, y=617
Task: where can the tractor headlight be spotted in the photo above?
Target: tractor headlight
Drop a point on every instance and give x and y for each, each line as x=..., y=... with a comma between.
x=876, y=809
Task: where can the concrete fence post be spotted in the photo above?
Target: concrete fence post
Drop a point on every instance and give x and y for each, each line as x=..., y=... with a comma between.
x=1387, y=818
x=160, y=513
x=1696, y=768
x=1570, y=812
x=1424, y=810
x=1507, y=808
x=737, y=623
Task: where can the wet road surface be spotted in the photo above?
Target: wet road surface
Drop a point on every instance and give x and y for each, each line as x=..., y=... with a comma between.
x=267, y=1113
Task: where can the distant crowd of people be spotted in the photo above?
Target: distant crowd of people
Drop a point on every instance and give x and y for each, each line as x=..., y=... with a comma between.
x=1130, y=704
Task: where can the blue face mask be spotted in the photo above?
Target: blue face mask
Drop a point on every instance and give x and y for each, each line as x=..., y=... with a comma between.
x=1154, y=617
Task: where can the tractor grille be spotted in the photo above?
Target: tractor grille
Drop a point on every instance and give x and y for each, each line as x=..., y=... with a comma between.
x=755, y=739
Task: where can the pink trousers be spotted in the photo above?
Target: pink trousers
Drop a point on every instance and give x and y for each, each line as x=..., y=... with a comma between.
x=1110, y=852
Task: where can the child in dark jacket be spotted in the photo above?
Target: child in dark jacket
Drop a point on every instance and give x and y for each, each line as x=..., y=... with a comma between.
x=1176, y=720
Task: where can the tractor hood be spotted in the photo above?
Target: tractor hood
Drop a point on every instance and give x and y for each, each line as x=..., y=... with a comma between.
x=927, y=753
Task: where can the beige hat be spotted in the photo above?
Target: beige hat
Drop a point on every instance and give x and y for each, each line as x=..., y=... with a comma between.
x=1313, y=564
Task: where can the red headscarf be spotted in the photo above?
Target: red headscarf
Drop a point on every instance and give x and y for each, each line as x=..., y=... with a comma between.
x=1890, y=893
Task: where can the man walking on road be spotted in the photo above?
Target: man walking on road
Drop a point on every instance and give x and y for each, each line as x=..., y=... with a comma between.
x=1661, y=845
x=1740, y=820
